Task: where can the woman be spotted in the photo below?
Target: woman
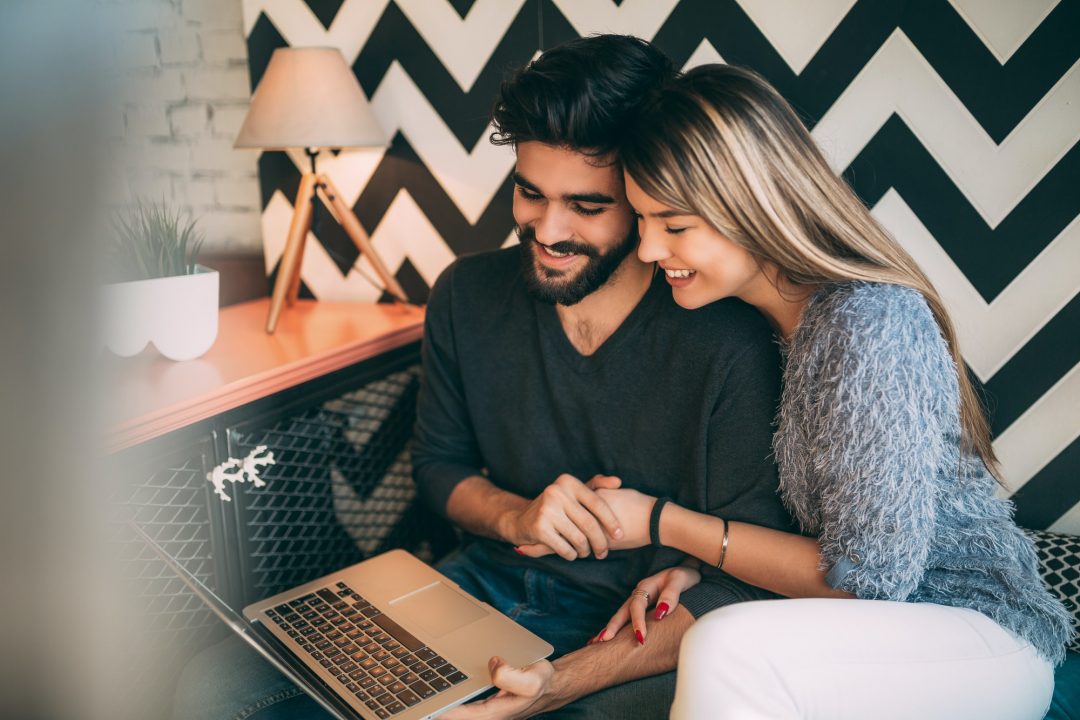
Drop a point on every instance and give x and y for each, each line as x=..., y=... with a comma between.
x=884, y=455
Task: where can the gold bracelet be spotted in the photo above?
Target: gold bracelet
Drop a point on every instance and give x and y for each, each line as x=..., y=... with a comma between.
x=723, y=547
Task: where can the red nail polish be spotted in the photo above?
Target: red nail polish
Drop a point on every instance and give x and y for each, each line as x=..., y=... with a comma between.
x=518, y=551
x=661, y=611
x=600, y=636
x=640, y=637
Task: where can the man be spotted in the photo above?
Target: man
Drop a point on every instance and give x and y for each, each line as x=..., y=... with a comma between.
x=565, y=358
x=559, y=361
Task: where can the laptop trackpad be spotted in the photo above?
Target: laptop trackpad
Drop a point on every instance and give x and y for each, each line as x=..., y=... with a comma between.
x=438, y=609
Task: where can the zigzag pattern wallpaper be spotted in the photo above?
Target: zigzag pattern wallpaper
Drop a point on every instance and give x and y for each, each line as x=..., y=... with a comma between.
x=957, y=121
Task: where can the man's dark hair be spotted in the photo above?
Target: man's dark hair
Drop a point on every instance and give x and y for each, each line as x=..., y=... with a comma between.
x=582, y=94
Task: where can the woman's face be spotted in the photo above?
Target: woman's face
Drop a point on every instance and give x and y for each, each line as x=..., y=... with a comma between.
x=701, y=264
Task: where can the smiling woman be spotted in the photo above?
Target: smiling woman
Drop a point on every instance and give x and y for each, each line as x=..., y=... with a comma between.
x=883, y=452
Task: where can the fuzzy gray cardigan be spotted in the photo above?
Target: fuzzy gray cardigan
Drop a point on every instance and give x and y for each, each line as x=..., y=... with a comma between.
x=868, y=447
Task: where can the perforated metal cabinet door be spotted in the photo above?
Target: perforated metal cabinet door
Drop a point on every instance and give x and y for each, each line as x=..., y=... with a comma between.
x=166, y=492
x=340, y=488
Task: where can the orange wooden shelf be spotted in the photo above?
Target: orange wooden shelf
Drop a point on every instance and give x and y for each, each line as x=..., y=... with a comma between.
x=153, y=396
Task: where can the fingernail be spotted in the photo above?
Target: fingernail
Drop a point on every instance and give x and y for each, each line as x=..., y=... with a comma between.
x=600, y=637
x=640, y=637
x=661, y=611
x=601, y=556
x=518, y=551
x=618, y=533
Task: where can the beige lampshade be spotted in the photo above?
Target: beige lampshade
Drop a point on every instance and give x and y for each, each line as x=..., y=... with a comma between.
x=309, y=98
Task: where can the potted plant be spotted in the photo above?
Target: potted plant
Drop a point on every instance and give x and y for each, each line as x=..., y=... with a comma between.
x=159, y=293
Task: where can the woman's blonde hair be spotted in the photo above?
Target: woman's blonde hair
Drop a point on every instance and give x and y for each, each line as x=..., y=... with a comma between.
x=721, y=143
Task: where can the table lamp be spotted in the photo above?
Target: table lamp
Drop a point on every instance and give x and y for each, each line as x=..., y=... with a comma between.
x=309, y=98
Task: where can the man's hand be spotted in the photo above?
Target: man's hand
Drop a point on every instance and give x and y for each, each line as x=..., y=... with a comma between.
x=631, y=509
x=521, y=693
x=568, y=517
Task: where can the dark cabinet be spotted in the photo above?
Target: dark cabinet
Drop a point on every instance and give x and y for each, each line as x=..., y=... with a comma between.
x=339, y=489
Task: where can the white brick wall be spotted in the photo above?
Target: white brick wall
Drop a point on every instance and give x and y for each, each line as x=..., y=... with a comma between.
x=186, y=90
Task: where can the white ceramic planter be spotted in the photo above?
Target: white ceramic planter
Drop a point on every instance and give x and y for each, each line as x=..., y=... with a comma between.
x=178, y=314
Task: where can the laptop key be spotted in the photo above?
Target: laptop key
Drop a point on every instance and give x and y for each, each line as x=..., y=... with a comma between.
x=396, y=687
x=327, y=595
x=410, y=660
x=424, y=653
x=387, y=679
x=377, y=671
x=367, y=683
x=373, y=704
x=421, y=688
x=439, y=684
x=399, y=633
x=457, y=677
x=399, y=670
x=358, y=675
x=408, y=697
x=384, y=698
x=447, y=669
x=429, y=675
x=399, y=652
x=382, y=713
x=395, y=707
x=380, y=655
x=352, y=687
x=368, y=663
x=437, y=661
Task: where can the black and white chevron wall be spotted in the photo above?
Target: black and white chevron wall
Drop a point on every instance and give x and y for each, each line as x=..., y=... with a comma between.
x=958, y=121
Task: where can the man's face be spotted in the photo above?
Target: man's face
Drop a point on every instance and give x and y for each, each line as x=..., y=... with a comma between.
x=574, y=222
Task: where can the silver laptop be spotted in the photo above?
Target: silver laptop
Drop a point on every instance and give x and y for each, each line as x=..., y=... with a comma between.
x=389, y=637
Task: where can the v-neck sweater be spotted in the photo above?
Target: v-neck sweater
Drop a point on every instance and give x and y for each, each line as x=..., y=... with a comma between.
x=676, y=403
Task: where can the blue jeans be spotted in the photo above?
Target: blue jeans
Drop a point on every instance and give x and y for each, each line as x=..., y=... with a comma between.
x=229, y=681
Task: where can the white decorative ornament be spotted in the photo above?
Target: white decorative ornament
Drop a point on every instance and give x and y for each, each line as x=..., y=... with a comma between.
x=236, y=470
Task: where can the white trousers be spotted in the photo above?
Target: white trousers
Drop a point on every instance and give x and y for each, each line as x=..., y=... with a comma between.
x=836, y=659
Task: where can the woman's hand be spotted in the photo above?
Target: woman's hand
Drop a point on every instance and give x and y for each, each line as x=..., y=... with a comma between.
x=631, y=509
x=665, y=588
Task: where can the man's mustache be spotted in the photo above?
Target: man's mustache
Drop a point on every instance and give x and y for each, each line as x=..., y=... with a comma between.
x=527, y=235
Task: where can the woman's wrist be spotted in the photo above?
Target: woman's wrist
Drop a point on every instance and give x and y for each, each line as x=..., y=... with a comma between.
x=693, y=533
x=668, y=525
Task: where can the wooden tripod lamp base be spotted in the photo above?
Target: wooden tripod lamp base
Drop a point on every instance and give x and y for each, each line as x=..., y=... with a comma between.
x=287, y=285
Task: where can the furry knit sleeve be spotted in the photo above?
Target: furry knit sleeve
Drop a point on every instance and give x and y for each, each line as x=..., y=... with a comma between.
x=877, y=407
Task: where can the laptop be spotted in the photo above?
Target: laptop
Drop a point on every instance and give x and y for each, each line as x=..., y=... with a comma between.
x=389, y=637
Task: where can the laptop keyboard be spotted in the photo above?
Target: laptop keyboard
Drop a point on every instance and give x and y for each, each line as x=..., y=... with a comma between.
x=372, y=657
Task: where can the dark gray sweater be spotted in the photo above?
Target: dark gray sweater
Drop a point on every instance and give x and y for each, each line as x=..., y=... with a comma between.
x=676, y=403
x=870, y=461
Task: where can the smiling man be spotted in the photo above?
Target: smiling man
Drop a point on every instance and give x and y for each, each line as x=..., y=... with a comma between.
x=562, y=365
x=552, y=369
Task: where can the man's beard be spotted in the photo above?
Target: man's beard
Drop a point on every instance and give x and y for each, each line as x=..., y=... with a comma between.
x=547, y=285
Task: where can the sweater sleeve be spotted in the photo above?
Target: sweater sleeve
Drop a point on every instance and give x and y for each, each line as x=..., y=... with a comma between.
x=444, y=449
x=886, y=389
x=741, y=477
